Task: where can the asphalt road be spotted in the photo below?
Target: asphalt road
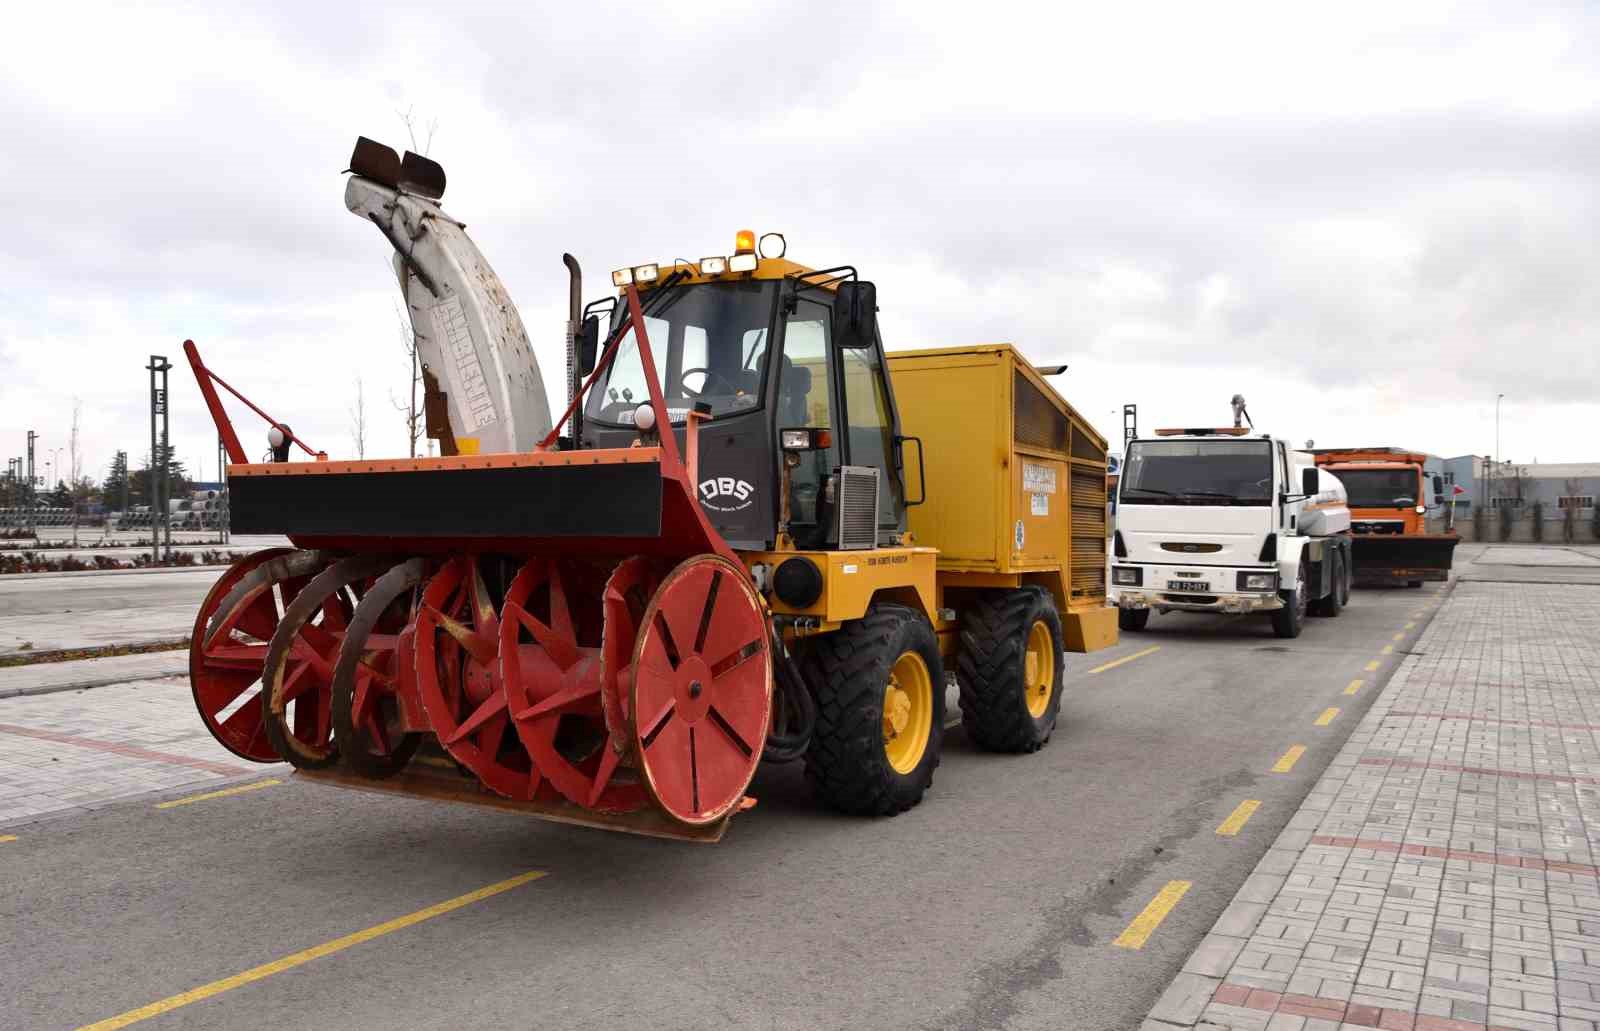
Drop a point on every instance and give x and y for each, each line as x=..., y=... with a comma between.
x=994, y=904
x=83, y=610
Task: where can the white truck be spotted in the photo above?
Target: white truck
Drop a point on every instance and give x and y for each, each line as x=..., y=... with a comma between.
x=1221, y=520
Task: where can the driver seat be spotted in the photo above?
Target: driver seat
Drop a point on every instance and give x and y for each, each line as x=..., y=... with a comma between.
x=794, y=393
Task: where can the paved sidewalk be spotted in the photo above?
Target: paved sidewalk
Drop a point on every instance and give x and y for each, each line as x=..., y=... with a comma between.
x=64, y=753
x=50, y=677
x=1442, y=874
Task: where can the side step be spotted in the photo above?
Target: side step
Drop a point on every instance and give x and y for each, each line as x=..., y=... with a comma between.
x=432, y=776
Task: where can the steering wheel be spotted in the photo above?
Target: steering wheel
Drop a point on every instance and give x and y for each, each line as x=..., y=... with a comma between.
x=710, y=374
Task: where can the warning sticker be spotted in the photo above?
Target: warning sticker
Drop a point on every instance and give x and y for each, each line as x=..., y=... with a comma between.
x=1040, y=503
x=1038, y=478
x=467, y=387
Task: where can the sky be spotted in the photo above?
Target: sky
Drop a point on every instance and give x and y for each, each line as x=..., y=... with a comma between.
x=1369, y=219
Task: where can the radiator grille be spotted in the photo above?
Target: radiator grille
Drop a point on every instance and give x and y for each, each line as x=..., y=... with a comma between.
x=1088, y=534
x=858, y=507
x=1038, y=422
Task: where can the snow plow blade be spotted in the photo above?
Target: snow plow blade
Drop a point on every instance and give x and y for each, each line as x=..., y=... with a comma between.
x=1394, y=559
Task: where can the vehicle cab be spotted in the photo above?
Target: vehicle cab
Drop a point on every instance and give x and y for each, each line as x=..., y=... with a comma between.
x=1218, y=520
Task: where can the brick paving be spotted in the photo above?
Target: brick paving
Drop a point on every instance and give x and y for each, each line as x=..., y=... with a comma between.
x=1442, y=875
x=69, y=752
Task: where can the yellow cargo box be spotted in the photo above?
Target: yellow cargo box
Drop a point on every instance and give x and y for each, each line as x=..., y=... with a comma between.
x=1015, y=481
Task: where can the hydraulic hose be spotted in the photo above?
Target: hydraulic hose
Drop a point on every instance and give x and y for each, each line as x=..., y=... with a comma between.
x=794, y=715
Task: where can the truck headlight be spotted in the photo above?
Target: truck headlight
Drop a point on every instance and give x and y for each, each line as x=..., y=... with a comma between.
x=1258, y=581
x=1127, y=576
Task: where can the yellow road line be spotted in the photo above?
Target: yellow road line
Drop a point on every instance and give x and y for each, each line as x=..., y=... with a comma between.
x=1408, y=626
x=266, y=970
x=1236, y=819
x=1372, y=667
x=1286, y=761
x=224, y=793
x=1146, y=922
x=1126, y=658
x=1327, y=717
x=1388, y=649
x=7, y=837
x=1355, y=685
x=1399, y=637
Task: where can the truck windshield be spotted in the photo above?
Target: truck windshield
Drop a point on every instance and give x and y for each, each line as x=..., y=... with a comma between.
x=1197, y=472
x=1379, y=488
x=709, y=341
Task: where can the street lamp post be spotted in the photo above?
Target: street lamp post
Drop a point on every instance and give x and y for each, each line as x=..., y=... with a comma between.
x=1493, y=468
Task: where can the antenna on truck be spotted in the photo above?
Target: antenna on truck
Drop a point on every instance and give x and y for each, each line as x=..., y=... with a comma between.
x=1240, y=415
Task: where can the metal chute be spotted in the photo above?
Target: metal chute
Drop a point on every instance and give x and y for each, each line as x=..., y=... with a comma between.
x=478, y=369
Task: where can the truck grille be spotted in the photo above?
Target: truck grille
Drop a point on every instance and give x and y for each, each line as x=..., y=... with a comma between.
x=858, y=507
x=1377, y=526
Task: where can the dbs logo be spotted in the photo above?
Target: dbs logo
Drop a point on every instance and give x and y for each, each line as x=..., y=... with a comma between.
x=726, y=494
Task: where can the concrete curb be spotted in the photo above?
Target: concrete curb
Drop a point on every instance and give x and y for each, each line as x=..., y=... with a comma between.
x=9, y=577
x=43, y=689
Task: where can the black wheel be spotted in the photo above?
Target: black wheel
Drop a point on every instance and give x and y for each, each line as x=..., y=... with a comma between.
x=1344, y=584
x=1333, y=602
x=1133, y=619
x=879, y=685
x=1011, y=670
x=1287, y=621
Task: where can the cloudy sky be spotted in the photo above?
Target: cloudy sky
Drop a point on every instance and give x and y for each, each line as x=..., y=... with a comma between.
x=1370, y=220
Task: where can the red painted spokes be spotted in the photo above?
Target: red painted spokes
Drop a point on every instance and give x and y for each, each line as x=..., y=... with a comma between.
x=228, y=645
x=458, y=677
x=551, y=677
x=701, y=689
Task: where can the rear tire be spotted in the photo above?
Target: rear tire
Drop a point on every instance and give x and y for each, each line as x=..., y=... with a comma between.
x=851, y=761
x=1287, y=621
x=1333, y=603
x=1010, y=692
x=1133, y=619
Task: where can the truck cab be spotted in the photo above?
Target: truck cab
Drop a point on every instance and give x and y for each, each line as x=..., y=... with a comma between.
x=1217, y=520
x=1390, y=494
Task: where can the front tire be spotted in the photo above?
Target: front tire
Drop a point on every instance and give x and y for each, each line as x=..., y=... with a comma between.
x=1133, y=619
x=1288, y=621
x=1011, y=670
x=879, y=686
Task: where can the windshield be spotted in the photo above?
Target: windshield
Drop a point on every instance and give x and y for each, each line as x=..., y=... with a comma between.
x=709, y=341
x=1379, y=488
x=1197, y=472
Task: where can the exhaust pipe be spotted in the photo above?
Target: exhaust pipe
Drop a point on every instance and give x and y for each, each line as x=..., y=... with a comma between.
x=574, y=321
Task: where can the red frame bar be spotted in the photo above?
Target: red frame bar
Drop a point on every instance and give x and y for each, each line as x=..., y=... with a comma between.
x=230, y=440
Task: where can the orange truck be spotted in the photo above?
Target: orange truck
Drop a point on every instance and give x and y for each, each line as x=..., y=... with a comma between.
x=1388, y=491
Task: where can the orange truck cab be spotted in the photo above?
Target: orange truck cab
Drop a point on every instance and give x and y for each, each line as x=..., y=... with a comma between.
x=1388, y=493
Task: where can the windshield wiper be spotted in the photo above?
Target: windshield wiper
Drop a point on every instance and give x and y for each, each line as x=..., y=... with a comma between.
x=1149, y=490
x=1208, y=494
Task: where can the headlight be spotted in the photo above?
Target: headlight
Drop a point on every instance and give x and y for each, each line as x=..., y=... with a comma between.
x=622, y=277
x=644, y=417
x=742, y=263
x=1258, y=581
x=1127, y=576
x=713, y=266
x=646, y=273
x=772, y=245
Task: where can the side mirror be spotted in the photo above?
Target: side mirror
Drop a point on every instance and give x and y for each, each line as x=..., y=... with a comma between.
x=1438, y=485
x=587, y=344
x=855, y=315
x=1308, y=482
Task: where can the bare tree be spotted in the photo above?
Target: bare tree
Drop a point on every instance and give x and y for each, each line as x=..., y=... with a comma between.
x=1569, y=510
x=358, y=420
x=409, y=117
x=408, y=343
x=75, y=468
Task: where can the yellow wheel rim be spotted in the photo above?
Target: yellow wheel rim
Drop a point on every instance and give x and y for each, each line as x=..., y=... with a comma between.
x=907, y=712
x=1039, y=668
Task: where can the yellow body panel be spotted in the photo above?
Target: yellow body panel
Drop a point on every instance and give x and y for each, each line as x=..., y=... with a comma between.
x=1015, y=482
x=852, y=579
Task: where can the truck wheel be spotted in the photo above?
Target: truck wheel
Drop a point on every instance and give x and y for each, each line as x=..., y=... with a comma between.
x=1133, y=619
x=1011, y=670
x=879, y=685
x=1286, y=622
x=1333, y=603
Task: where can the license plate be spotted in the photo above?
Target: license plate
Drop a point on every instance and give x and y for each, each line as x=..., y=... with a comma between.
x=1199, y=586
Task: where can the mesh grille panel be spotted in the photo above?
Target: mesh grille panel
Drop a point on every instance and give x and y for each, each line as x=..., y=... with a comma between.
x=1088, y=534
x=858, y=507
x=1038, y=422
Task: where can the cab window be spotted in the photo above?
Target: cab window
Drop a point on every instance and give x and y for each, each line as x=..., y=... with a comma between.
x=871, y=425
x=805, y=399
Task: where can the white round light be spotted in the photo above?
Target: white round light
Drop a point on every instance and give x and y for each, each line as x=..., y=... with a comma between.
x=772, y=245
x=644, y=417
x=275, y=437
